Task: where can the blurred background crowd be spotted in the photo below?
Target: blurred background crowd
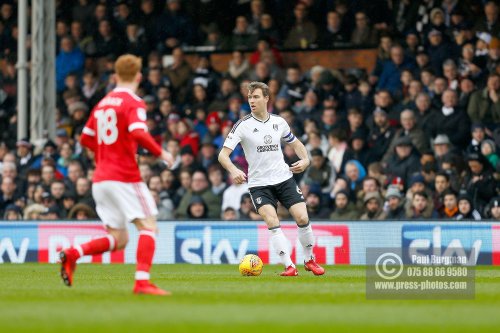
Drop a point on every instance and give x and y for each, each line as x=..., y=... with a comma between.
x=415, y=138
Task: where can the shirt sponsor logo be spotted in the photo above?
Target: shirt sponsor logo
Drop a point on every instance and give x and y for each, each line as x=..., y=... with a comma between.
x=268, y=139
x=265, y=148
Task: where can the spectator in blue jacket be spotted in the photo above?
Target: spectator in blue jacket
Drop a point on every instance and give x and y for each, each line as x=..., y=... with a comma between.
x=391, y=70
x=70, y=59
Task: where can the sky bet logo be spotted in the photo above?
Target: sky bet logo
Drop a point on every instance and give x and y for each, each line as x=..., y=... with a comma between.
x=474, y=242
x=216, y=244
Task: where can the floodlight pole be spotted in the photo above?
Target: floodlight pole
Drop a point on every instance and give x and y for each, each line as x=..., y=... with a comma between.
x=22, y=72
x=43, y=54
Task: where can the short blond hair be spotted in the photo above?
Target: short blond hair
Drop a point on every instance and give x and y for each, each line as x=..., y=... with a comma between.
x=252, y=86
x=127, y=66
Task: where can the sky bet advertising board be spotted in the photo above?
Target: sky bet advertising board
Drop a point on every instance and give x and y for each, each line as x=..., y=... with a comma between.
x=215, y=242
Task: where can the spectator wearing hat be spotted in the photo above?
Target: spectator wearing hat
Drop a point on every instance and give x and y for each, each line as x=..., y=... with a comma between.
x=404, y=162
x=465, y=209
x=213, y=122
x=381, y=131
x=358, y=149
x=345, y=210
x=395, y=204
x=77, y=111
x=320, y=172
x=368, y=185
x=490, y=22
x=197, y=208
x=409, y=128
x=12, y=213
x=82, y=212
x=479, y=181
x=493, y=210
x=314, y=201
x=51, y=213
x=373, y=207
x=451, y=120
x=188, y=159
x=442, y=149
x=437, y=21
x=484, y=104
x=327, y=85
x=488, y=149
x=421, y=208
x=416, y=184
x=355, y=172
x=438, y=50
x=32, y=212
x=200, y=187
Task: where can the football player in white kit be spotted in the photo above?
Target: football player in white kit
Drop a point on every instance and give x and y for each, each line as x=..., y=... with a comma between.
x=270, y=179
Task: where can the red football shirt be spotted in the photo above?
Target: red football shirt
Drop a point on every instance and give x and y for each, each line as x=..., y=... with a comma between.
x=110, y=126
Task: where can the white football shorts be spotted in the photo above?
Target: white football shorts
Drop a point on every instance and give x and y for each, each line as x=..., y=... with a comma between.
x=119, y=203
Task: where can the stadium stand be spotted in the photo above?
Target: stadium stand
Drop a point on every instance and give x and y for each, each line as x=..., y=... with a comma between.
x=410, y=100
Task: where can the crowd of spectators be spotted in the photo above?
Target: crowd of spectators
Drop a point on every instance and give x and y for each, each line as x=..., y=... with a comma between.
x=416, y=138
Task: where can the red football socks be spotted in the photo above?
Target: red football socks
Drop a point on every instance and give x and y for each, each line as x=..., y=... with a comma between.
x=96, y=246
x=145, y=252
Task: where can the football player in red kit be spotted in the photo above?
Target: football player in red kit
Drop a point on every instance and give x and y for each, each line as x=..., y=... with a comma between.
x=115, y=128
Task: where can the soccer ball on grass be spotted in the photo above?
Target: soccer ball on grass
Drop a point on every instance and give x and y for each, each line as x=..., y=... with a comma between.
x=251, y=265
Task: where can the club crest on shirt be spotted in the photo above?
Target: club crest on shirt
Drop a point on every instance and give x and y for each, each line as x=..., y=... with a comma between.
x=275, y=127
x=258, y=200
x=268, y=139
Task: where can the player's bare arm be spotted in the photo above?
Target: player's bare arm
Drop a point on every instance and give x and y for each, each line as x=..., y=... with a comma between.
x=237, y=175
x=301, y=151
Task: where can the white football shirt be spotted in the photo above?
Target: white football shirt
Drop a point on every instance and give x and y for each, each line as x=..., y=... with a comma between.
x=261, y=142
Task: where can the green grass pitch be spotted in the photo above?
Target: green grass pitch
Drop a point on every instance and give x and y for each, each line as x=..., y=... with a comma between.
x=217, y=299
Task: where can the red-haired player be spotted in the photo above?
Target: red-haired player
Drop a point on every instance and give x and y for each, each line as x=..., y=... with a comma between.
x=113, y=132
